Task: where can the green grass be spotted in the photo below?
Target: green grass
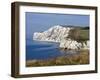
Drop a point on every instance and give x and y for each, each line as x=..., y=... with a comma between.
x=79, y=34
x=84, y=34
x=81, y=58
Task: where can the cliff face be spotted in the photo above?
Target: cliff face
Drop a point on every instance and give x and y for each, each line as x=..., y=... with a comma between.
x=60, y=34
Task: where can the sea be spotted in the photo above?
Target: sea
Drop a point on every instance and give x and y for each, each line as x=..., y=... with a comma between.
x=41, y=50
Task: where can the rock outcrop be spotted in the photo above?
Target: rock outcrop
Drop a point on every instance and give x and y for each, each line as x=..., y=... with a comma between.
x=60, y=34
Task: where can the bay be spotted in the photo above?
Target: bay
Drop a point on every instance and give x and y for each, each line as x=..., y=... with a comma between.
x=40, y=50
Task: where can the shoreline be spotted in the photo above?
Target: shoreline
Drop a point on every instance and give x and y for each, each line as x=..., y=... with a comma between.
x=62, y=45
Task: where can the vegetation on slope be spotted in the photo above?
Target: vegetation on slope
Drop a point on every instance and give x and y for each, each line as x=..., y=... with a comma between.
x=79, y=34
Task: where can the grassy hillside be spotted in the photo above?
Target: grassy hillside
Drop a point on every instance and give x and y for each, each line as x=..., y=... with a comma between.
x=79, y=34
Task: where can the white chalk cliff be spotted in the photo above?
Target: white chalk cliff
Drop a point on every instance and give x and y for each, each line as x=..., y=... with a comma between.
x=60, y=34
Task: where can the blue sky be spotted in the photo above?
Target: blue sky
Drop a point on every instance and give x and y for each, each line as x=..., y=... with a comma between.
x=38, y=22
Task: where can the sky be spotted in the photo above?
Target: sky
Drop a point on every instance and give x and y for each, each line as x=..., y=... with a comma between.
x=38, y=22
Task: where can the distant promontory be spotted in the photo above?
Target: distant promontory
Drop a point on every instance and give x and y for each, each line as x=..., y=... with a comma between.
x=69, y=37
